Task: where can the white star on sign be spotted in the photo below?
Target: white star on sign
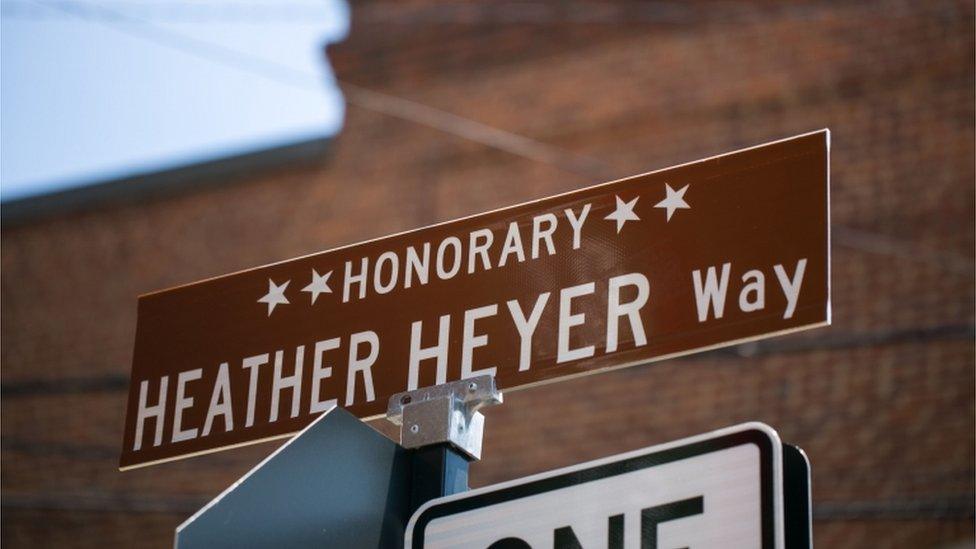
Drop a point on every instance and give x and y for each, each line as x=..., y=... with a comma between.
x=275, y=295
x=623, y=213
x=319, y=285
x=674, y=201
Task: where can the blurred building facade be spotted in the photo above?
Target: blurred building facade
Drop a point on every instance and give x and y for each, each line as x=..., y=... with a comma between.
x=882, y=401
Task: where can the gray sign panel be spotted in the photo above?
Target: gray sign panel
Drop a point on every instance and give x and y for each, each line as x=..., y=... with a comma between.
x=721, y=489
x=339, y=483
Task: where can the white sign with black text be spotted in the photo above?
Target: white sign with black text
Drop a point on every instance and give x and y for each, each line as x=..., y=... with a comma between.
x=721, y=489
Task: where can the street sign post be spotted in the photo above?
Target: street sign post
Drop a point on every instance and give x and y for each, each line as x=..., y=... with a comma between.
x=727, y=488
x=340, y=483
x=701, y=255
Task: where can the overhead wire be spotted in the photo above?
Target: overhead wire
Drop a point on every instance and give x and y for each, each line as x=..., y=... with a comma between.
x=447, y=122
x=303, y=13
x=371, y=100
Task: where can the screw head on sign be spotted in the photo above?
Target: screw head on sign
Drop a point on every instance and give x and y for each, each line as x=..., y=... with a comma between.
x=405, y=399
x=472, y=386
x=415, y=429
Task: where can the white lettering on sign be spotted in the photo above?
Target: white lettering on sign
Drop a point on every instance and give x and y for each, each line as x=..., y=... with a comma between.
x=438, y=352
x=711, y=289
x=526, y=327
x=711, y=294
x=182, y=403
x=568, y=319
x=513, y=245
x=627, y=298
x=157, y=412
x=321, y=372
x=358, y=278
x=478, y=251
x=252, y=363
x=631, y=309
x=220, y=401
x=428, y=349
x=393, y=271
x=470, y=341
x=292, y=383
x=577, y=223
x=362, y=365
x=417, y=265
x=447, y=268
x=791, y=286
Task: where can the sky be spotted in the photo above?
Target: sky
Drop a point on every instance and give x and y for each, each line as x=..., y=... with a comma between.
x=96, y=90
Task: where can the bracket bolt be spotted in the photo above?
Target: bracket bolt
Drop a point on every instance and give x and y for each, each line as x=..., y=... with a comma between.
x=415, y=429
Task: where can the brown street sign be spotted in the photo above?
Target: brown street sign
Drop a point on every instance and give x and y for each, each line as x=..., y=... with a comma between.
x=711, y=253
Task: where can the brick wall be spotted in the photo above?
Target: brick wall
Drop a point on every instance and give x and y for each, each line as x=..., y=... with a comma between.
x=882, y=401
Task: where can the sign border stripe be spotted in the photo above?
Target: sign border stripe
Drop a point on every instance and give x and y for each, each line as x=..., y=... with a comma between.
x=761, y=435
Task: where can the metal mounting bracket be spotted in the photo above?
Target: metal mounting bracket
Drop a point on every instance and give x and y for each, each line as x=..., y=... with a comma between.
x=446, y=413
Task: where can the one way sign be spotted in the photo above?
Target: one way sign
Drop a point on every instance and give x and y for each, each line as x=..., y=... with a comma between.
x=736, y=487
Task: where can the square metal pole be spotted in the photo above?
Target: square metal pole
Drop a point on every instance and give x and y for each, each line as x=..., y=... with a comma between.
x=442, y=429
